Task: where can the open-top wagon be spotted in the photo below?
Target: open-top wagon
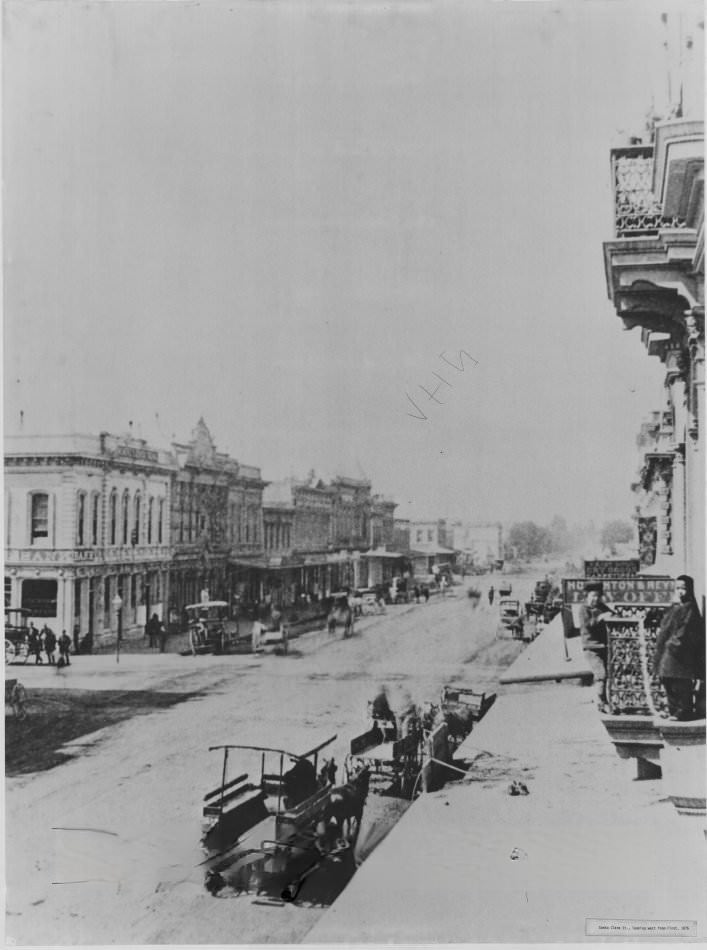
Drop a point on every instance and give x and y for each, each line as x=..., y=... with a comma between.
x=271, y=828
x=392, y=754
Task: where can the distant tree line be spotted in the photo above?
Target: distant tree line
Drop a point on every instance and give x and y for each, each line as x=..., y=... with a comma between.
x=527, y=540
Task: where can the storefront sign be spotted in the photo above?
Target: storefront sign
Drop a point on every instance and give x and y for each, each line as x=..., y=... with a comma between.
x=622, y=590
x=617, y=568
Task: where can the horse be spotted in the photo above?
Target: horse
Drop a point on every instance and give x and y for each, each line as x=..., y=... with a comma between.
x=410, y=723
x=345, y=805
x=341, y=615
x=432, y=716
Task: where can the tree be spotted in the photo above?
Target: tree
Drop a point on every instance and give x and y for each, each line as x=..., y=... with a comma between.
x=559, y=535
x=614, y=533
x=529, y=539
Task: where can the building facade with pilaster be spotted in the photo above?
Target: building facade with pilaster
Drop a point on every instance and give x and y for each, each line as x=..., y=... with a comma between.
x=216, y=523
x=655, y=278
x=87, y=526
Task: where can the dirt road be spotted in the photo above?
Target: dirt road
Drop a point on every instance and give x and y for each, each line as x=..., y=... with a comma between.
x=104, y=848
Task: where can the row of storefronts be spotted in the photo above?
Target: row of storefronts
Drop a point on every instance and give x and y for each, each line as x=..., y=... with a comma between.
x=103, y=531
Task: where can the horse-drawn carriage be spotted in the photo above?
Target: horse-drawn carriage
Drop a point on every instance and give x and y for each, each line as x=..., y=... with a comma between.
x=273, y=636
x=510, y=619
x=392, y=753
x=16, y=635
x=211, y=629
x=461, y=707
x=281, y=827
x=341, y=614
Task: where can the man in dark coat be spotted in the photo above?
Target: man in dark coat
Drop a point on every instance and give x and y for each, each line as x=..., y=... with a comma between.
x=49, y=644
x=35, y=644
x=679, y=657
x=592, y=629
x=382, y=714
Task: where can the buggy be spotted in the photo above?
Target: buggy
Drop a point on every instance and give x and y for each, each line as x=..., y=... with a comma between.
x=255, y=831
x=392, y=754
x=273, y=637
x=461, y=707
x=210, y=628
x=510, y=619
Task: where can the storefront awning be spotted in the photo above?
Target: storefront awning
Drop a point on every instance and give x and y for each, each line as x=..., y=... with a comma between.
x=384, y=554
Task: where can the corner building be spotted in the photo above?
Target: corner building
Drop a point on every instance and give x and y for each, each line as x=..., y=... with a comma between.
x=86, y=519
x=655, y=278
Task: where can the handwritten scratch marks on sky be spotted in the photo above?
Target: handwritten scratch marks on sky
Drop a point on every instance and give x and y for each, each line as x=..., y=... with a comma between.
x=432, y=396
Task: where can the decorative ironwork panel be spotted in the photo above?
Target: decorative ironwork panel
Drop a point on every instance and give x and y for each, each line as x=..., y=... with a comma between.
x=647, y=540
x=630, y=672
x=636, y=209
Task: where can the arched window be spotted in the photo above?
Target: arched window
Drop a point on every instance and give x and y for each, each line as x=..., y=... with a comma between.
x=113, y=516
x=95, y=508
x=150, y=513
x=135, y=537
x=126, y=517
x=80, y=518
x=39, y=517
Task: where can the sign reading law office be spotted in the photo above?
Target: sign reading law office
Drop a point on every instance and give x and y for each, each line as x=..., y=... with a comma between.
x=622, y=590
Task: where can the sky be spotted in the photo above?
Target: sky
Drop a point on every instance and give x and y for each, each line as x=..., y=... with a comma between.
x=294, y=218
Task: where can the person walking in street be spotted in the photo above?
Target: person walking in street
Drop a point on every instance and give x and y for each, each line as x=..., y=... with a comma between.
x=35, y=644
x=592, y=614
x=162, y=635
x=49, y=644
x=491, y=595
x=64, y=649
x=679, y=658
x=152, y=629
x=416, y=592
x=426, y=592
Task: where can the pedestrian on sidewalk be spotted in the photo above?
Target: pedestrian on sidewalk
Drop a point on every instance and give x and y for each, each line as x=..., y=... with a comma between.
x=491, y=595
x=679, y=657
x=77, y=639
x=64, y=648
x=426, y=592
x=35, y=644
x=592, y=628
x=49, y=644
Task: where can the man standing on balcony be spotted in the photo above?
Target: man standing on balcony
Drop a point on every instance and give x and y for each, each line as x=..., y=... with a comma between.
x=679, y=657
x=592, y=614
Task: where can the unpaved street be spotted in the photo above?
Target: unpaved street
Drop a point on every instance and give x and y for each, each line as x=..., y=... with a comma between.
x=130, y=876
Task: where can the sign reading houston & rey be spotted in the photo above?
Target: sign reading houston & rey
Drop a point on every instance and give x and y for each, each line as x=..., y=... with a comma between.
x=622, y=590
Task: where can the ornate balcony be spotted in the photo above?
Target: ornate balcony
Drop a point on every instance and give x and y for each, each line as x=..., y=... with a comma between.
x=637, y=211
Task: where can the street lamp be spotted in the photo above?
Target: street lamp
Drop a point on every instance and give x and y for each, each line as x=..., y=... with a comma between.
x=117, y=603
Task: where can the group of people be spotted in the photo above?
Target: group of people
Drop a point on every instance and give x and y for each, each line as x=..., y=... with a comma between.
x=45, y=642
x=678, y=658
